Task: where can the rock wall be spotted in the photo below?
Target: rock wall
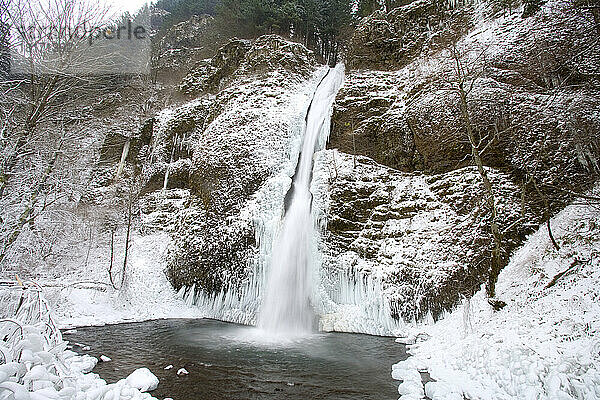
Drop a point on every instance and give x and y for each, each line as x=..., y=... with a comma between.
x=404, y=219
x=425, y=236
x=185, y=45
x=387, y=41
x=221, y=148
x=413, y=212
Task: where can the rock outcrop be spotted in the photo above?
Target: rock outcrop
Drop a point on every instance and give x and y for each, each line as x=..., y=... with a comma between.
x=220, y=148
x=266, y=54
x=421, y=223
x=410, y=118
x=184, y=45
x=426, y=236
x=388, y=41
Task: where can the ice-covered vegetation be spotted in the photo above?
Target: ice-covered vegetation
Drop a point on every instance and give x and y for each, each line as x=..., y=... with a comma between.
x=36, y=364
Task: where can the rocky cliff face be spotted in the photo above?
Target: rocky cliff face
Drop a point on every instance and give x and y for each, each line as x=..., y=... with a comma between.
x=410, y=118
x=220, y=148
x=184, y=45
x=425, y=236
x=387, y=41
x=400, y=200
x=415, y=213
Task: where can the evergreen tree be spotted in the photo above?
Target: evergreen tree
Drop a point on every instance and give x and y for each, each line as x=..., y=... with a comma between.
x=336, y=14
x=319, y=24
x=289, y=18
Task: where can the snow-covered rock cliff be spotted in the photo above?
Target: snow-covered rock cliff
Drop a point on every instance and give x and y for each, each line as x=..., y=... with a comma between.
x=532, y=108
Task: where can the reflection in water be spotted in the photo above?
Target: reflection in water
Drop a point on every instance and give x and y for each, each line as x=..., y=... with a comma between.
x=227, y=361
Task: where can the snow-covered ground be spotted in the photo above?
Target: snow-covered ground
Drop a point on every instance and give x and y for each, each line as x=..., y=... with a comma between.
x=36, y=364
x=545, y=344
x=78, y=300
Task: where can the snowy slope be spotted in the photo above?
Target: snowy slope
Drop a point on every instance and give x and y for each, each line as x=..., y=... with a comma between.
x=146, y=294
x=545, y=344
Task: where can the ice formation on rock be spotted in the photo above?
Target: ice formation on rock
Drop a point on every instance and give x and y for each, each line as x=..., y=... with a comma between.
x=286, y=307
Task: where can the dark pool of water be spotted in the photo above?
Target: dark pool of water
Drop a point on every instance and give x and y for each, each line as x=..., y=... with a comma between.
x=228, y=361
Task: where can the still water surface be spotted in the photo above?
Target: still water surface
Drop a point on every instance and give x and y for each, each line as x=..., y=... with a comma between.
x=232, y=362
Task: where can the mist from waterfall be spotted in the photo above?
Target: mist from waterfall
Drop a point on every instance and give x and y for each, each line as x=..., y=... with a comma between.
x=286, y=308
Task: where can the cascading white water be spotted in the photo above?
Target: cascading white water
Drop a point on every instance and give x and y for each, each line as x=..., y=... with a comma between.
x=343, y=299
x=286, y=307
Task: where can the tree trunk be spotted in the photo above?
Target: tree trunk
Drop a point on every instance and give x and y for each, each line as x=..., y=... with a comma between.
x=127, y=236
x=112, y=259
x=547, y=214
x=496, y=265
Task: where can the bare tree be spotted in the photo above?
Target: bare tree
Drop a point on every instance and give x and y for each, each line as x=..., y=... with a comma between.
x=43, y=39
x=465, y=73
x=27, y=216
x=42, y=85
x=469, y=65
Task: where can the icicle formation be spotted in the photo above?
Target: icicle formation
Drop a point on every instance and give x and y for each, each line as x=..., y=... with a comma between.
x=241, y=303
x=357, y=304
x=287, y=309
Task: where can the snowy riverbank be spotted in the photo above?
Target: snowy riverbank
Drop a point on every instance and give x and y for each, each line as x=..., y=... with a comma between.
x=545, y=344
x=36, y=363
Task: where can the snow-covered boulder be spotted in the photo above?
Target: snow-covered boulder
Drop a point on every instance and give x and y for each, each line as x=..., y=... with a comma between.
x=143, y=380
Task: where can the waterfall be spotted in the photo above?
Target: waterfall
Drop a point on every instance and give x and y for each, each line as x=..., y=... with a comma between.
x=291, y=289
x=286, y=308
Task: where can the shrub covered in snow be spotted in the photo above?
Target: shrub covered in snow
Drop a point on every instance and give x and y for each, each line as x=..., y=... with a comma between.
x=35, y=363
